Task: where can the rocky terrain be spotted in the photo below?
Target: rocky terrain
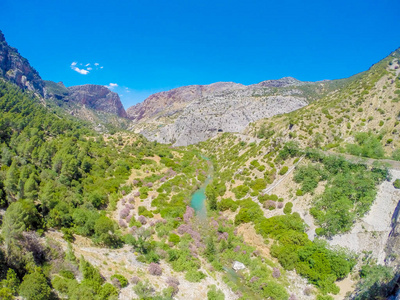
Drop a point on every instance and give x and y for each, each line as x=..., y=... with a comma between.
x=191, y=114
x=16, y=69
x=97, y=97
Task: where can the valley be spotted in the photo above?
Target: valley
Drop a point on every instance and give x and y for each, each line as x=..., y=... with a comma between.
x=278, y=190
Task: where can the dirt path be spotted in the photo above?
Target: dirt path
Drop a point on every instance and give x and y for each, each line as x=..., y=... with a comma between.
x=280, y=180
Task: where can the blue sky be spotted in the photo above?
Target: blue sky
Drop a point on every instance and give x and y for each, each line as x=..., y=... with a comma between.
x=149, y=46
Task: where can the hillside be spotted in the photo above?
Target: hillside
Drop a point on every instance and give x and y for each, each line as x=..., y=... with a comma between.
x=278, y=190
x=191, y=114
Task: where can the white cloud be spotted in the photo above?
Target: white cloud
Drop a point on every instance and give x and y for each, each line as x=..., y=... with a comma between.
x=74, y=63
x=87, y=65
x=89, y=69
x=96, y=64
x=80, y=71
x=112, y=86
x=101, y=67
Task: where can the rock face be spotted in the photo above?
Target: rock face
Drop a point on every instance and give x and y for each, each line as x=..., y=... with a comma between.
x=96, y=97
x=191, y=114
x=16, y=69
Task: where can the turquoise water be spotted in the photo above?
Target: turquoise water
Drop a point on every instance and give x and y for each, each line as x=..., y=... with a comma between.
x=198, y=201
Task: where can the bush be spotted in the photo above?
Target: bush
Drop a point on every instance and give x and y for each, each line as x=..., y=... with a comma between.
x=284, y=170
x=368, y=145
x=288, y=208
x=227, y=203
x=174, y=238
x=155, y=269
x=396, y=183
x=107, y=291
x=35, y=287
x=194, y=276
x=215, y=294
x=122, y=280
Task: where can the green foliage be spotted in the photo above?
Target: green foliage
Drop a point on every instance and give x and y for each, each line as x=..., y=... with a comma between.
x=35, y=287
x=144, y=212
x=290, y=149
x=90, y=274
x=374, y=282
x=247, y=215
x=368, y=145
x=11, y=283
x=107, y=292
x=240, y=191
x=349, y=193
x=143, y=289
x=215, y=294
x=288, y=208
x=309, y=176
x=258, y=184
x=284, y=170
x=6, y=294
x=275, y=291
x=194, y=276
x=174, y=238
x=227, y=203
x=294, y=250
x=396, y=154
x=396, y=183
x=122, y=280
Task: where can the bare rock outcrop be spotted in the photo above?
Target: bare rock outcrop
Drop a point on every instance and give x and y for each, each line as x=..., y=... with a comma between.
x=16, y=69
x=97, y=97
x=192, y=114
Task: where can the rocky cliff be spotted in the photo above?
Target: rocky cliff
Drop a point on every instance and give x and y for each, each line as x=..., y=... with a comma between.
x=16, y=69
x=191, y=114
x=96, y=97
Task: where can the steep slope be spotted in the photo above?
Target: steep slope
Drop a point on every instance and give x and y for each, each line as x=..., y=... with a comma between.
x=191, y=114
x=369, y=101
x=98, y=98
x=286, y=166
x=16, y=69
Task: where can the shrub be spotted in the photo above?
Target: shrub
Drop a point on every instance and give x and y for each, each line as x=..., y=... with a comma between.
x=299, y=193
x=396, y=183
x=122, y=280
x=288, y=208
x=155, y=269
x=215, y=294
x=35, y=287
x=194, y=276
x=269, y=204
x=174, y=238
x=227, y=203
x=284, y=170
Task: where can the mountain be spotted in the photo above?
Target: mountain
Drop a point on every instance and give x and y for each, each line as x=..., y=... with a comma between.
x=190, y=114
x=96, y=97
x=16, y=69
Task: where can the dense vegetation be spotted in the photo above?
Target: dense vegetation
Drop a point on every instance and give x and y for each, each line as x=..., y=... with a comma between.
x=56, y=173
x=120, y=189
x=349, y=192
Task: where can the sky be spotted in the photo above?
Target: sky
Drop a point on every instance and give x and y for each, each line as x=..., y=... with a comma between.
x=137, y=48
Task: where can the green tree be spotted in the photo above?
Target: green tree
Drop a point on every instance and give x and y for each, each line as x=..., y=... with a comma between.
x=35, y=287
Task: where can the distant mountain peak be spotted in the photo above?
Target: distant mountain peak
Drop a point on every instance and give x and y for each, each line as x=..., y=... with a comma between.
x=283, y=82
